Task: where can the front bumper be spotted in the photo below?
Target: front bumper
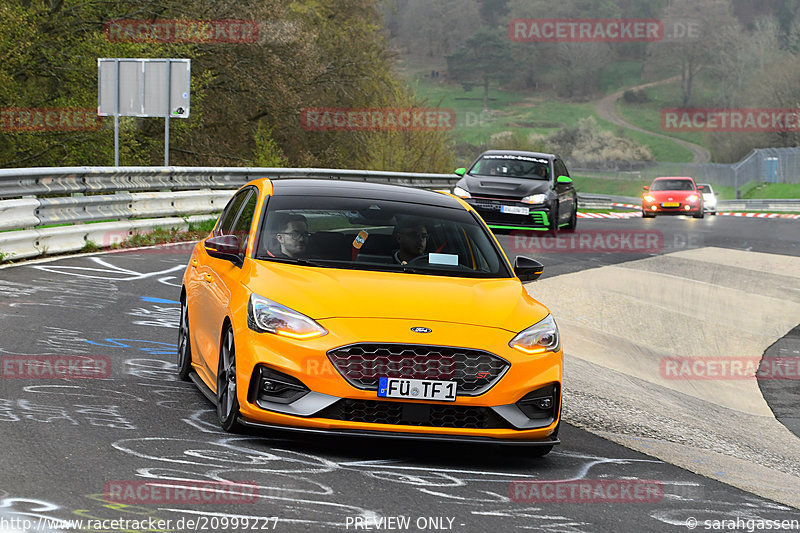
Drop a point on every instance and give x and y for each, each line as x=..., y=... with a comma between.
x=465, y=439
x=491, y=210
x=679, y=209
x=334, y=405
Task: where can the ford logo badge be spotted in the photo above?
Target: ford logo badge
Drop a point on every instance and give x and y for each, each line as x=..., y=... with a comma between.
x=421, y=330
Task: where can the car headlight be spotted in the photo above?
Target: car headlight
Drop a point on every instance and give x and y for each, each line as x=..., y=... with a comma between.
x=692, y=197
x=541, y=337
x=458, y=191
x=649, y=198
x=264, y=315
x=535, y=199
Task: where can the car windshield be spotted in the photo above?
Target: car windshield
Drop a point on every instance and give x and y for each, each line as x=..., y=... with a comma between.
x=706, y=188
x=381, y=235
x=672, y=185
x=512, y=166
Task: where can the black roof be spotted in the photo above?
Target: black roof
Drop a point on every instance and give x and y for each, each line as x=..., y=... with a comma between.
x=361, y=189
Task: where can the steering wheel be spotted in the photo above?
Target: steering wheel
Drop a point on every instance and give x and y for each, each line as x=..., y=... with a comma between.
x=418, y=260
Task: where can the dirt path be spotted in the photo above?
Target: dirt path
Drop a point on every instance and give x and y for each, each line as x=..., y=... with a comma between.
x=607, y=109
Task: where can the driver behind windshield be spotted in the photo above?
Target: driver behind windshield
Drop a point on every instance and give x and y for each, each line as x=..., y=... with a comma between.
x=291, y=233
x=411, y=236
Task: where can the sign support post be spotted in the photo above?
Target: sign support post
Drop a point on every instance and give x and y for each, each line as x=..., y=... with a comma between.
x=166, y=115
x=116, y=113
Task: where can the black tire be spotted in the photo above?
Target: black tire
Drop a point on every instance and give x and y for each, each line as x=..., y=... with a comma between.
x=540, y=451
x=573, y=220
x=184, y=343
x=553, y=221
x=701, y=214
x=645, y=214
x=227, y=400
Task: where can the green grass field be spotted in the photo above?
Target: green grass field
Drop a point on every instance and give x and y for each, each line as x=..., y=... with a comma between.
x=647, y=115
x=775, y=190
x=507, y=111
x=525, y=114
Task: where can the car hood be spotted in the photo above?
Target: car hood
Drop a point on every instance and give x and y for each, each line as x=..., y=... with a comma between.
x=322, y=293
x=662, y=196
x=500, y=186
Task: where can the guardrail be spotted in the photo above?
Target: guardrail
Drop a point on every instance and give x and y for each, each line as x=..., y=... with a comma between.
x=759, y=205
x=72, y=180
x=57, y=210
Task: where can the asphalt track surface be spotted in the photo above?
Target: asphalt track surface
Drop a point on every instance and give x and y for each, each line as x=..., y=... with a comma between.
x=66, y=443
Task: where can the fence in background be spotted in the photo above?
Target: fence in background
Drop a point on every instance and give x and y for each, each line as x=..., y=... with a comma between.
x=763, y=165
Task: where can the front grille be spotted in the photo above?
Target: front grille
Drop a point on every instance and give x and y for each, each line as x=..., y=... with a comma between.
x=536, y=218
x=474, y=371
x=413, y=414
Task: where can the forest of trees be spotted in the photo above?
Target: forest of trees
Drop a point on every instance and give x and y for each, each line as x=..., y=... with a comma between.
x=246, y=98
x=745, y=53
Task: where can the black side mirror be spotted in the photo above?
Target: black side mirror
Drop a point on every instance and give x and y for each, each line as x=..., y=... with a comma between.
x=224, y=247
x=527, y=269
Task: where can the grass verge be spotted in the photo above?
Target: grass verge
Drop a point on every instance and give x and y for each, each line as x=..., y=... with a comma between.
x=194, y=232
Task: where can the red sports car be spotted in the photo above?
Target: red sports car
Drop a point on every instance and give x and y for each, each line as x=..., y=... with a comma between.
x=672, y=196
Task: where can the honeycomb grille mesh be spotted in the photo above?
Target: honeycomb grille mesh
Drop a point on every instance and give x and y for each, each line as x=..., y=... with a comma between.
x=474, y=371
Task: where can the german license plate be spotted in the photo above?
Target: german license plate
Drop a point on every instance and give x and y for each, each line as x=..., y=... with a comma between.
x=514, y=210
x=417, y=389
x=670, y=204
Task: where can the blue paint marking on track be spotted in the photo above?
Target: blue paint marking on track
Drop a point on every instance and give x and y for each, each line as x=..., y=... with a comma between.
x=159, y=300
x=151, y=347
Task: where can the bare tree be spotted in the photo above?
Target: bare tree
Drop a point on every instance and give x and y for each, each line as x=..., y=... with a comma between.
x=582, y=64
x=435, y=29
x=690, y=53
x=742, y=54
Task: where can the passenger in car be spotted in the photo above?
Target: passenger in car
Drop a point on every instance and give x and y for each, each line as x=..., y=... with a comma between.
x=411, y=236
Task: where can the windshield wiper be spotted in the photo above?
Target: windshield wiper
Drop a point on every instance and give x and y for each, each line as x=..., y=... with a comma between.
x=300, y=261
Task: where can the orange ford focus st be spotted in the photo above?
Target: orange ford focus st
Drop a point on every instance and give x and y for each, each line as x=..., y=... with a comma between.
x=362, y=309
